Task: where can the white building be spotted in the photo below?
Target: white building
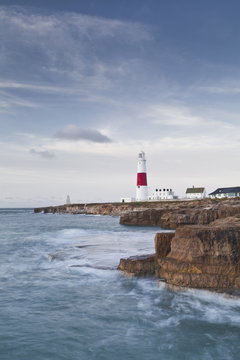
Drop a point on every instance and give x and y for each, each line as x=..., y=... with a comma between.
x=127, y=200
x=229, y=192
x=162, y=194
x=195, y=193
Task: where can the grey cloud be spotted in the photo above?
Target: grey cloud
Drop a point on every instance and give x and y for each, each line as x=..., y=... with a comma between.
x=72, y=132
x=43, y=153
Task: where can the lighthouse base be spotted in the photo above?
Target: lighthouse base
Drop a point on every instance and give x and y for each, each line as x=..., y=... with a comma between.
x=142, y=193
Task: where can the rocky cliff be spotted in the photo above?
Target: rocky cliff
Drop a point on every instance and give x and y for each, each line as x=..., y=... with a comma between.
x=206, y=256
x=197, y=256
x=203, y=253
x=169, y=214
x=176, y=214
x=114, y=209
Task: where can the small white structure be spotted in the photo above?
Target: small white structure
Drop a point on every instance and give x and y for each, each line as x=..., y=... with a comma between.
x=229, y=192
x=195, y=193
x=142, y=189
x=162, y=194
x=68, y=201
x=127, y=200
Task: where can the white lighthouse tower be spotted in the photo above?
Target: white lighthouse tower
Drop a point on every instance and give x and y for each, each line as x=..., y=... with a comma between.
x=142, y=189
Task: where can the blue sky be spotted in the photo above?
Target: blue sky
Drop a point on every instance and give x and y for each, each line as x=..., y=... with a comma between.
x=86, y=85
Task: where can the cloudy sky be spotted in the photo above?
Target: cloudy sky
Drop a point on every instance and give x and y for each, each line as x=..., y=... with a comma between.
x=86, y=85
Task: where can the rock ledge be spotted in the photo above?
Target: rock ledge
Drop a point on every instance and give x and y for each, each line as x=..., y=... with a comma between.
x=196, y=256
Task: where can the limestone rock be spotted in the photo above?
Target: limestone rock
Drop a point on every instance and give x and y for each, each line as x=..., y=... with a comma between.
x=163, y=243
x=206, y=256
x=143, y=265
x=172, y=215
x=197, y=256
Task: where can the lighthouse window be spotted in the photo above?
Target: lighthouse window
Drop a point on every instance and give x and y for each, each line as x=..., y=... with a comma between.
x=164, y=189
x=156, y=189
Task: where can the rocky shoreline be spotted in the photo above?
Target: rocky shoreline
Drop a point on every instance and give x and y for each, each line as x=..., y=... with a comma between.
x=203, y=252
x=196, y=256
x=113, y=209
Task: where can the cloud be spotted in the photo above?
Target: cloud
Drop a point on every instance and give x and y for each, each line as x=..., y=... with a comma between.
x=87, y=26
x=44, y=53
x=221, y=89
x=172, y=115
x=43, y=153
x=72, y=132
x=7, y=101
x=66, y=43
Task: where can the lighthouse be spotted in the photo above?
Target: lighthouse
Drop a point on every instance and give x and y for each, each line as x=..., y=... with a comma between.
x=142, y=190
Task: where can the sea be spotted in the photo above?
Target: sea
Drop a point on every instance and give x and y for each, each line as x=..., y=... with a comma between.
x=62, y=297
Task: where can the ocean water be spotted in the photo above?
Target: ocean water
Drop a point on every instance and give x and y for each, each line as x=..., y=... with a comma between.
x=61, y=296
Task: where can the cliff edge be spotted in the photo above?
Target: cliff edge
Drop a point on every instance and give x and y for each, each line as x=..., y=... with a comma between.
x=172, y=215
x=203, y=252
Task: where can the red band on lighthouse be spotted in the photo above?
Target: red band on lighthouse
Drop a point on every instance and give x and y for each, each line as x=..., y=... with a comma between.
x=141, y=179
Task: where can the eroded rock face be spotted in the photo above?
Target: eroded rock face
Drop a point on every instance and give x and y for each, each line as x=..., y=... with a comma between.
x=163, y=244
x=197, y=256
x=143, y=265
x=171, y=216
x=167, y=215
x=206, y=257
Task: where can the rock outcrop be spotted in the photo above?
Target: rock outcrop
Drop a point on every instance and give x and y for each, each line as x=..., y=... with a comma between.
x=144, y=265
x=173, y=215
x=114, y=209
x=206, y=256
x=197, y=256
x=166, y=214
